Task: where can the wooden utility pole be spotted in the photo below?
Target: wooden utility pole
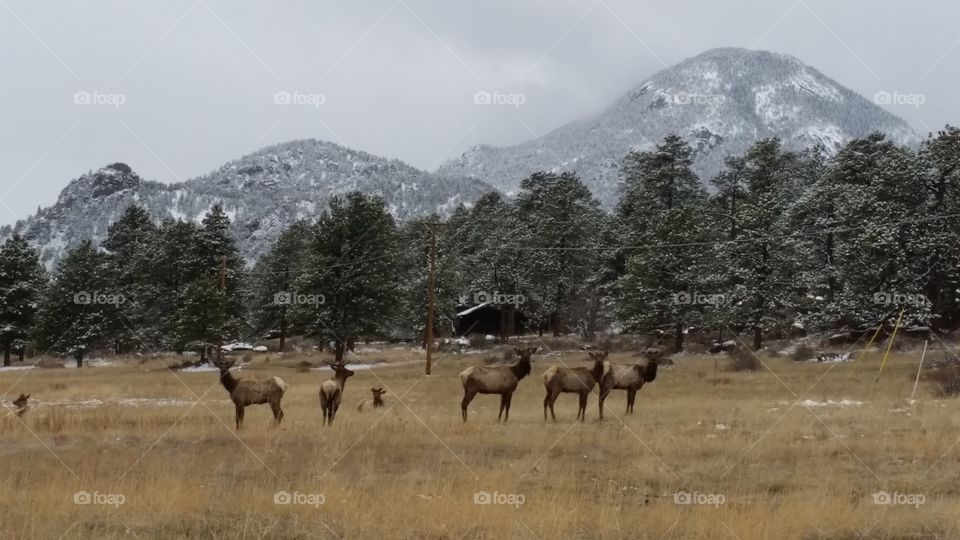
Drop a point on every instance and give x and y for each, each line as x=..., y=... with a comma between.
x=431, y=293
x=223, y=287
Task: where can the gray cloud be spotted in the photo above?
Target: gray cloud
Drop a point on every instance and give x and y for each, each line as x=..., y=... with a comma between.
x=397, y=78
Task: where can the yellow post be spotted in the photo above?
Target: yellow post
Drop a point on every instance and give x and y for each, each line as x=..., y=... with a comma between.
x=890, y=344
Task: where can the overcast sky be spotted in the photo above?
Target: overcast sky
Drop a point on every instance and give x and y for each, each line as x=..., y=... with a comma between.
x=179, y=87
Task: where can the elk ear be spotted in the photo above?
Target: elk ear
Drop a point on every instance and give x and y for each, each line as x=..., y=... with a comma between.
x=26, y=396
x=605, y=354
x=533, y=349
x=518, y=350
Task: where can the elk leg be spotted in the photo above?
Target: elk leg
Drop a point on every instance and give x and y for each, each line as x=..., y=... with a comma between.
x=277, y=411
x=582, y=414
x=631, y=396
x=503, y=405
x=508, y=398
x=467, y=398
x=603, y=396
x=239, y=416
x=552, y=397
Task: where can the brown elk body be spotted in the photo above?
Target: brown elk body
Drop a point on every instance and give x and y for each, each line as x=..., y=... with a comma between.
x=500, y=380
x=579, y=380
x=20, y=404
x=331, y=391
x=377, y=400
x=244, y=392
x=629, y=378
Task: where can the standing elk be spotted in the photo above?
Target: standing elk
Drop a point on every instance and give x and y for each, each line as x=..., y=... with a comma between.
x=579, y=380
x=377, y=400
x=20, y=404
x=245, y=392
x=501, y=380
x=331, y=391
x=629, y=378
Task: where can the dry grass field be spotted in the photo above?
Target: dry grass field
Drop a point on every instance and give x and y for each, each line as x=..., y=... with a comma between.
x=792, y=451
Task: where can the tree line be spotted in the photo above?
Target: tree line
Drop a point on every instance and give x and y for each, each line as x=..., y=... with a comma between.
x=782, y=242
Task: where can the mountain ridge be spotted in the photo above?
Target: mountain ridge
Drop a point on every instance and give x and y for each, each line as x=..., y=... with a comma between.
x=263, y=192
x=719, y=101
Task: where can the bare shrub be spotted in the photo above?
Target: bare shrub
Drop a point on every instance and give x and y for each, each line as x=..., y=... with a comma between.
x=803, y=352
x=946, y=381
x=743, y=359
x=304, y=367
x=478, y=341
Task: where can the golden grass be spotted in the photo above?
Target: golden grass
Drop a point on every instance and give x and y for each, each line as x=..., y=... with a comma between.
x=412, y=470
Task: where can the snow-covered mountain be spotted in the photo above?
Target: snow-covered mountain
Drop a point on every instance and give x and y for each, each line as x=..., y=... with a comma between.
x=263, y=193
x=720, y=101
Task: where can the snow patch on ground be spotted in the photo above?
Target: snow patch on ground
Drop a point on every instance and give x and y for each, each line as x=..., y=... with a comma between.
x=828, y=403
x=203, y=368
x=93, y=403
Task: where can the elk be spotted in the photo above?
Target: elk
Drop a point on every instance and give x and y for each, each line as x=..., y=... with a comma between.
x=579, y=380
x=245, y=392
x=501, y=380
x=629, y=378
x=20, y=404
x=377, y=400
x=331, y=391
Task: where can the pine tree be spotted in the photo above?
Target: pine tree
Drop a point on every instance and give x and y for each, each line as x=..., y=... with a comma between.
x=940, y=157
x=661, y=212
x=22, y=281
x=207, y=312
x=351, y=272
x=413, y=248
x=274, y=278
x=867, y=202
x=180, y=263
x=79, y=307
x=492, y=258
x=132, y=247
x=562, y=221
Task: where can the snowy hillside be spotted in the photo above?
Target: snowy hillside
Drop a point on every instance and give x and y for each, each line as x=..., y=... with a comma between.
x=720, y=101
x=263, y=193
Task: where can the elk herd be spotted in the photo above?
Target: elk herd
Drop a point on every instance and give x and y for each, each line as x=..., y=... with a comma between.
x=501, y=380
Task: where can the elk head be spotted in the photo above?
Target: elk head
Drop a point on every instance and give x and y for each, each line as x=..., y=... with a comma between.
x=223, y=364
x=525, y=353
x=340, y=370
